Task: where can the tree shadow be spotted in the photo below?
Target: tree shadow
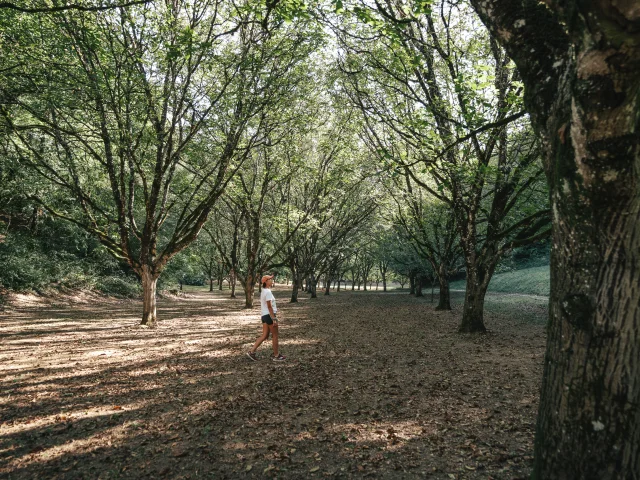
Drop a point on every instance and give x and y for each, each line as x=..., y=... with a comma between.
x=374, y=386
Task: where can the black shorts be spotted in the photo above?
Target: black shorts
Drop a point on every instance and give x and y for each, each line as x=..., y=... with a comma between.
x=267, y=319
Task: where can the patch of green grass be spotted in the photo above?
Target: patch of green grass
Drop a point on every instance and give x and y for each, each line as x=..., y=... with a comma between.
x=524, y=308
x=531, y=281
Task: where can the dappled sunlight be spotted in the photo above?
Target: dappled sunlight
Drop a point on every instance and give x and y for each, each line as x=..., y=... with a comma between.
x=66, y=420
x=372, y=384
x=116, y=435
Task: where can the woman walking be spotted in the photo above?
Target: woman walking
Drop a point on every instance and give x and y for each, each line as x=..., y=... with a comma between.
x=269, y=317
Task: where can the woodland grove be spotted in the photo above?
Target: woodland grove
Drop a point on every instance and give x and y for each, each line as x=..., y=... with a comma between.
x=348, y=142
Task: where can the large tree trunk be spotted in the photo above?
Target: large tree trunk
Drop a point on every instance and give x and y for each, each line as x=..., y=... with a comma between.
x=589, y=420
x=582, y=89
x=149, y=282
x=211, y=284
x=412, y=284
x=328, y=285
x=473, y=309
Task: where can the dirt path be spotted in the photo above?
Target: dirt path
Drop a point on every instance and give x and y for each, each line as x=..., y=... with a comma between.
x=375, y=385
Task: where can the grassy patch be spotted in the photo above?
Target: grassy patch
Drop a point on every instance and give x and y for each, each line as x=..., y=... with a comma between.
x=531, y=281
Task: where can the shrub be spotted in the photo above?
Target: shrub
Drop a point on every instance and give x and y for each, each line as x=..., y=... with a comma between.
x=119, y=286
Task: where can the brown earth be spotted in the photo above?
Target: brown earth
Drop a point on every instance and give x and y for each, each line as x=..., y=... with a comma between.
x=375, y=385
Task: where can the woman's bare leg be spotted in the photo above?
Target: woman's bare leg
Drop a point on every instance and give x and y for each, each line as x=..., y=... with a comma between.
x=274, y=338
x=263, y=337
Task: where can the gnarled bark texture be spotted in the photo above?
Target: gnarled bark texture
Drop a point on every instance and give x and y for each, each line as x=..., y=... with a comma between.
x=580, y=62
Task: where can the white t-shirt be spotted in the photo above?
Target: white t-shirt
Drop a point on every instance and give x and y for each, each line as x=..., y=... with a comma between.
x=265, y=296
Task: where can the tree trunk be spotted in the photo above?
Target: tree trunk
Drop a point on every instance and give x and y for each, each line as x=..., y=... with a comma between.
x=589, y=420
x=590, y=386
x=419, y=286
x=296, y=281
x=444, y=302
x=313, y=285
x=412, y=284
x=149, y=282
x=473, y=309
x=249, y=285
x=211, y=284
x=232, y=284
x=433, y=286
x=294, y=290
x=328, y=285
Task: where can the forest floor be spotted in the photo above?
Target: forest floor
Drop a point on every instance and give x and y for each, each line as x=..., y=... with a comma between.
x=375, y=385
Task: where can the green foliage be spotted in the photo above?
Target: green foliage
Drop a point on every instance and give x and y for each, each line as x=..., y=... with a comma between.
x=118, y=286
x=58, y=254
x=530, y=256
x=24, y=266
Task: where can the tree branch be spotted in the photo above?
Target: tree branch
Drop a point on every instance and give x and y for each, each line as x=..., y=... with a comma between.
x=73, y=6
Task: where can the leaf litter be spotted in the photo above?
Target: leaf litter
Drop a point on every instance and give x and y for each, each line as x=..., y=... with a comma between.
x=375, y=385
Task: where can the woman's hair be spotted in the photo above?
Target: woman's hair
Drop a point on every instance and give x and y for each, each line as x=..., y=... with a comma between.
x=264, y=284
